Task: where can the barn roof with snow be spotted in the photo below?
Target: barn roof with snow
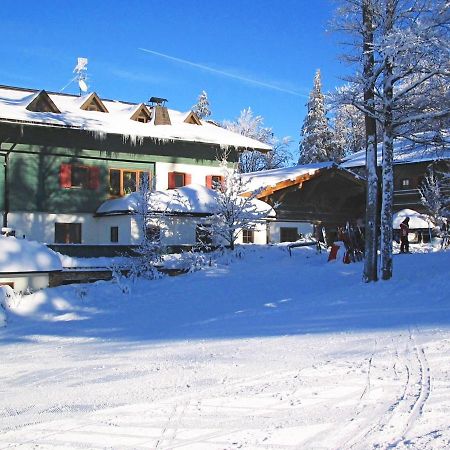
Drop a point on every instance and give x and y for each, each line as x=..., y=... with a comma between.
x=102, y=117
x=406, y=152
x=266, y=182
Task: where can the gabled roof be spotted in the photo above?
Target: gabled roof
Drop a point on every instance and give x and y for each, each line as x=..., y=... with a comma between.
x=93, y=100
x=41, y=102
x=266, y=182
x=192, y=118
x=405, y=152
x=13, y=102
x=141, y=109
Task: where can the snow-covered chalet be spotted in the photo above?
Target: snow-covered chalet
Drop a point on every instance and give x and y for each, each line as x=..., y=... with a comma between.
x=65, y=155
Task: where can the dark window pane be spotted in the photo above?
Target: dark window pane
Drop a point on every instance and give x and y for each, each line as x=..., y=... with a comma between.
x=203, y=235
x=114, y=182
x=288, y=234
x=129, y=182
x=80, y=176
x=216, y=181
x=68, y=233
x=144, y=177
x=179, y=180
x=153, y=233
x=247, y=236
x=114, y=234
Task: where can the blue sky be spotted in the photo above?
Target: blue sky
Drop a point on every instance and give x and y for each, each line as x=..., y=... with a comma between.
x=278, y=44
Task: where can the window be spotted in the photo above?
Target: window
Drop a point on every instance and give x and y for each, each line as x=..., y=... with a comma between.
x=76, y=176
x=93, y=103
x=68, y=233
x=248, y=236
x=124, y=181
x=153, y=233
x=288, y=234
x=142, y=118
x=43, y=103
x=405, y=183
x=79, y=177
x=114, y=234
x=203, y=235
x=214, y=181
x=178, y=179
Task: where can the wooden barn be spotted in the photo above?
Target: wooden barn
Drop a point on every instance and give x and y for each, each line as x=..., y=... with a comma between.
x=321, y=194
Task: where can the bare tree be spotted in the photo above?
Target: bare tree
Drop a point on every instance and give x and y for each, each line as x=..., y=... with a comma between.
x=249, y=125
x=435, y=193
x=409, y=78
x=234, y=212
x=149, y=220
x=202, y=108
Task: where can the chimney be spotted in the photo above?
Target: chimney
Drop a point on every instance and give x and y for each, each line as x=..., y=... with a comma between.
x=161, y=113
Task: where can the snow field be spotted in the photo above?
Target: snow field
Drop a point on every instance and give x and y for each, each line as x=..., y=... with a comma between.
x=268, y=352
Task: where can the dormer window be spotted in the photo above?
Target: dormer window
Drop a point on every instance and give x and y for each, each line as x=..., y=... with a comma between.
x=93, y=103
x=193, y=119
x=42, y=103
x=142, y=114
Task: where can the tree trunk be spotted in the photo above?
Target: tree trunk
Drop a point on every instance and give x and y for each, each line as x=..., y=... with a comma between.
x=371, y=231
x=388, y=156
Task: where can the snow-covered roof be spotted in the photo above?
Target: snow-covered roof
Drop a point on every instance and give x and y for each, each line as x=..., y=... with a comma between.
x=190, y=199
x=266, y=178
x=416, y=220
x=20, y=255
x=404, y=152
x=117, y=120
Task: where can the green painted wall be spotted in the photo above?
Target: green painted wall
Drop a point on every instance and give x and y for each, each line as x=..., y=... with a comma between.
x=38, y=152
x=35, y=185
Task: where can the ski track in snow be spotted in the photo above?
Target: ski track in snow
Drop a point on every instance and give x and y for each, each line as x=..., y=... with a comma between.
x=382, y=388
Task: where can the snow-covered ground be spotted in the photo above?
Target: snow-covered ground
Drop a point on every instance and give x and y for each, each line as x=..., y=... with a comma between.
x=268, y=352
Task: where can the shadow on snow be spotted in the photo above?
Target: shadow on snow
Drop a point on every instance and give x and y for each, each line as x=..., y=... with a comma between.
x=264, y=295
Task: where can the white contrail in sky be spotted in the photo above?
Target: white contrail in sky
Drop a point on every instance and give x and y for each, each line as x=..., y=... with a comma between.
x=221, y=72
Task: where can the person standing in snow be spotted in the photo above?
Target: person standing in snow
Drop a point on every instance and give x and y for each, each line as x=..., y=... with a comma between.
x=404, y=231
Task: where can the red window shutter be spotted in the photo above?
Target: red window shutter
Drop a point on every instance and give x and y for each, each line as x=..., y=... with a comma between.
x=65, y=176
x=209, y=181
x=94, y=177
x=171, y=180
x=187, y=178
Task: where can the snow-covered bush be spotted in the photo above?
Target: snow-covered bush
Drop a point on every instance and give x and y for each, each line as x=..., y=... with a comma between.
x=150, y=250
x=7, y=298
x=234, y=212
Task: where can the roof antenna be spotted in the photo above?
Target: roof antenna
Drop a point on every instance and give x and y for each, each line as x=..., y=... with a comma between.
x=81, y=74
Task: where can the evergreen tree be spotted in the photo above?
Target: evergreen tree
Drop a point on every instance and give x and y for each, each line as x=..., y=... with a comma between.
x=201, y=108
x=316, y=137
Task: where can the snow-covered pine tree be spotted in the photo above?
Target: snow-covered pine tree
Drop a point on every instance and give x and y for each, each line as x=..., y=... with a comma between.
x=316, y=136
x=202, y=108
